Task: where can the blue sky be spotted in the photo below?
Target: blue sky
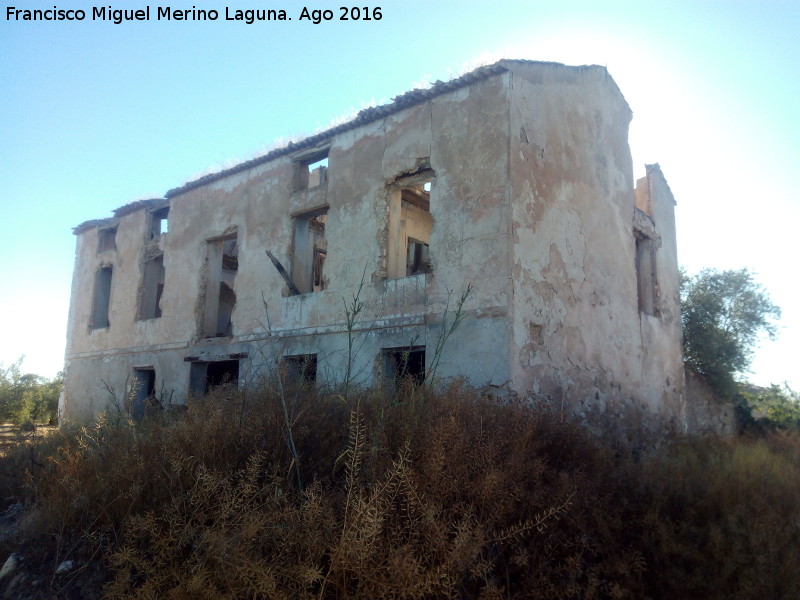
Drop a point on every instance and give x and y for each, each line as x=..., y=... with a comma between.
x=95, y=115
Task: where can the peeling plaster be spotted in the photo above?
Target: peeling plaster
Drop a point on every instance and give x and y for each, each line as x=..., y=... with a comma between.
x=531, y=204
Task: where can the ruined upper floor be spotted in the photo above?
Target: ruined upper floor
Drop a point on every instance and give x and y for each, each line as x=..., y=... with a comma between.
x=515, y=179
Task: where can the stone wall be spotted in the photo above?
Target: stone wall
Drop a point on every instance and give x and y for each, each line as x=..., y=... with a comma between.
x=514, y=181
x=705, y=412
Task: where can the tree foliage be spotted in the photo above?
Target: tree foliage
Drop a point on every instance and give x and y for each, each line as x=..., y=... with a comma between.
x=724, y=313
x=768, y=409
x=25, y=397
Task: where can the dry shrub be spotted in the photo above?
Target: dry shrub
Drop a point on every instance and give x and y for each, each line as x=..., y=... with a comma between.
x=417, y=495
x=721, y=518
x=237, y=536
x=427, y=496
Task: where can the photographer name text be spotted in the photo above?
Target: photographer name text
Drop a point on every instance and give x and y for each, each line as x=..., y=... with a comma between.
x=248, y=16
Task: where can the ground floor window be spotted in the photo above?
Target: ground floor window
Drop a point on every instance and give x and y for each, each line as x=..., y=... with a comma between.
x=404, y=364
x=144, y=387
x=206, y=375
x=299, y=369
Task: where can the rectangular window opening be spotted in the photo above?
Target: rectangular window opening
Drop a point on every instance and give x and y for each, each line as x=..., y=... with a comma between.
x=410, y=226
x=152, y=288
x=144, y=389
x=418, y=260
x=107, y=239
x=159, y=222
x=317, y=173
x=102, y=298
x=646, y=281
x=222, y=372
x=222, y=265
x=312, y=170
x=404, y=365
x=310, y=251
x=300, y=369
x=204, y=376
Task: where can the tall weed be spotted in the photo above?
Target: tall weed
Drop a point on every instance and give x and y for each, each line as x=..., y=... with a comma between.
x=725, y=512
x=417, y=495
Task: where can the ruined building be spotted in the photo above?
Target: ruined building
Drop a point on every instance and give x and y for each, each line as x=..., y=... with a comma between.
x=515, y=179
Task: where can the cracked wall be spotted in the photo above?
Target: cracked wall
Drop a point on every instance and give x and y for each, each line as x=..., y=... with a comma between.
x=579, y=336
x=530, y=202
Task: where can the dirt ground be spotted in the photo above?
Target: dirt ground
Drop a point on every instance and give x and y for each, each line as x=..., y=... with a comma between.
x=11, y=434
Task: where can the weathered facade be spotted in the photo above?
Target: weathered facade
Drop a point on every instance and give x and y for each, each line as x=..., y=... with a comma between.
x=515, y=179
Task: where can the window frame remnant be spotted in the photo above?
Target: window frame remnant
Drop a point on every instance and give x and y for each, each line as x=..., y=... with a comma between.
x=101, y=303
x=410, y=225
x=311, y=169
x=310, y=250
x=300, y=369
x=144, y=387
x=222, y=265
x=106, y=239
x=153, y=278
x=404, y=363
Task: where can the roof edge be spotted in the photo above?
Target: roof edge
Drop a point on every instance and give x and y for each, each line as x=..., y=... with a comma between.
x=364, y=116
x=125, y=209
x=92, y=224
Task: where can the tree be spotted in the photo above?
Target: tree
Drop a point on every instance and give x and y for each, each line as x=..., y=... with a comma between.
x=768, y=409
x=724, y=313
x=28, y=397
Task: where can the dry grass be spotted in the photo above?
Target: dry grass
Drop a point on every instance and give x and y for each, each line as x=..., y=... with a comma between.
x=435, y=496
x=12, y=434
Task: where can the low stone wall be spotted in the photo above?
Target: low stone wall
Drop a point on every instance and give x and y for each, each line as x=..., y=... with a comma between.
x=705, y=412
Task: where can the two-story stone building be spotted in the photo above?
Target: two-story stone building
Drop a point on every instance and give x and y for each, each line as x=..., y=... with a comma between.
x=514, y=179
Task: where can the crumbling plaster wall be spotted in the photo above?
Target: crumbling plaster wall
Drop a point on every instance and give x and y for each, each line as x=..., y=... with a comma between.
x=460, y=136
x=532, y=205
x=98, y=383
x=100, y=361
x=577, y=334
x=469, y=162
x=662, y=352
x=126, y=330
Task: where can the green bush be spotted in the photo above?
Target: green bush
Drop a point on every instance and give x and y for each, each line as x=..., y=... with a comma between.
x=28, y=398
x=768, y=409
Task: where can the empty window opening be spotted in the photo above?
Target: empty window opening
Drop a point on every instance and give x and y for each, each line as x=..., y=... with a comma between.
x=410, y=225
x=300, y=369
x=107, y=239
x=159, y=222
x=646, y=282
x=206, y=375
x=227, y=300
x=222, y=372
x=152, y=288
x=144, y=389
x=223, y=264
x=312, y=170
x=404, y=364
x=317, y=172
x=310, y=251
x=102, y=298
x=418, y=260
